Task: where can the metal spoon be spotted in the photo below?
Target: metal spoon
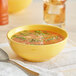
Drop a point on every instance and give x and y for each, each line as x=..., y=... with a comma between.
x=5, y=58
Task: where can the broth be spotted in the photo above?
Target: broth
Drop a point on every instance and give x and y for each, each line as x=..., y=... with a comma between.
x=37, y=37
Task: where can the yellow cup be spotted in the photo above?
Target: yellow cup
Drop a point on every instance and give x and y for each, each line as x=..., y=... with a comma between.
x=37, y=53
x=17, y=5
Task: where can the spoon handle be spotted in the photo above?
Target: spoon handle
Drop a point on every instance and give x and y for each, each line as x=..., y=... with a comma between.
x=28, y=71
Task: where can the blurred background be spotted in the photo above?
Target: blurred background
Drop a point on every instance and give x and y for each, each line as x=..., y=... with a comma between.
x=33, y=14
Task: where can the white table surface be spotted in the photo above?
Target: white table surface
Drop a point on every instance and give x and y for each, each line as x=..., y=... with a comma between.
x=34, y=15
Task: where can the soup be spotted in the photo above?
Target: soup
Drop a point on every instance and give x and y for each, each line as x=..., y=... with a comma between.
x=39, y=37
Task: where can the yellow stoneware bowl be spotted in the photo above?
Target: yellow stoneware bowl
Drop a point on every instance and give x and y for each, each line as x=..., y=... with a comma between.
x=37, y=53
x=17, y=5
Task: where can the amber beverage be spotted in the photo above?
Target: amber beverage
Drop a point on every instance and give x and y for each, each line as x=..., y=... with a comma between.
x=3, y=12
x=54, y=12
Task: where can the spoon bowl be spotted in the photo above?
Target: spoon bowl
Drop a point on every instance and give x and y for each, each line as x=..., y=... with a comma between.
x=3, y=55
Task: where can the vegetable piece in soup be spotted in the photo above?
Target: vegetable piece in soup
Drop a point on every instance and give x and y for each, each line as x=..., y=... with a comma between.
x=38, y=37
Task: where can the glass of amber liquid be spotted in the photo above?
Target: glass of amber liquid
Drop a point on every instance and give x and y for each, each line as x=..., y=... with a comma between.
x=54, y=12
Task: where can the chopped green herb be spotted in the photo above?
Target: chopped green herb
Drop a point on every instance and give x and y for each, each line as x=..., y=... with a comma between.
x=50, y=39
x=39, y=33
x=14, y=36
x=56, y=37
x=46, y=32
x=42, y=33
x=22, y=38
x=34, y=40
x=23, y=34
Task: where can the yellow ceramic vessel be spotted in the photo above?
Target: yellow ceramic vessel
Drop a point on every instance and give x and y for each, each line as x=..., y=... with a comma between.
x=37, y=53
x=17, y=5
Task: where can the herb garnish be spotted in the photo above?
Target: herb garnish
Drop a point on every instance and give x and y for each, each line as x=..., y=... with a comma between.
x=22, y=38
x=34, y=40
x=50, y=39
x=45, y=32
x=23, y=34
x=56, y=37
x=39, y=33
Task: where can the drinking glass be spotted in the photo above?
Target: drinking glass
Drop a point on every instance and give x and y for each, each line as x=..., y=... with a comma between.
x=54, y=12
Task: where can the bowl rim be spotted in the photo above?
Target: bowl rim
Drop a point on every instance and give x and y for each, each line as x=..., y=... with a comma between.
x=38, y=25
